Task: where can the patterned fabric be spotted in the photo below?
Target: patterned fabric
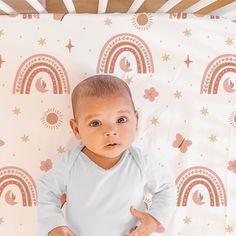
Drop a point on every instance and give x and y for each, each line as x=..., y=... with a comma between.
x=182, y=72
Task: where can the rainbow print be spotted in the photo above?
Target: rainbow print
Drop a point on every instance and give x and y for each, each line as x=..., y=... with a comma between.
x=12, y=175
x=37, y=64
x=215, y=71
x=121, y=43
x=200, y=175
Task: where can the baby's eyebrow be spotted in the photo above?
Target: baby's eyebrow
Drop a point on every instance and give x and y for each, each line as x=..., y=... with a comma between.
x=124, y=111
x=91, y=116
x=94, y=115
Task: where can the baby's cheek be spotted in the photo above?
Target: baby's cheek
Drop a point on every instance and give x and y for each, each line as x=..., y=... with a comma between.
x=130, y=129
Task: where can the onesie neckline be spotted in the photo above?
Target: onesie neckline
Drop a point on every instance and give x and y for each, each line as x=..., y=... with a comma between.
x=124, y=154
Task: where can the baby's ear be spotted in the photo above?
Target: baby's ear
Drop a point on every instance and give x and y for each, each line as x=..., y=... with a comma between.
x=74, y=127
x=137, y=118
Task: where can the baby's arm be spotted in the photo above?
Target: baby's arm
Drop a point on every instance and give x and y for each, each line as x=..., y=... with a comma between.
x=161, y=185
x=50, y=189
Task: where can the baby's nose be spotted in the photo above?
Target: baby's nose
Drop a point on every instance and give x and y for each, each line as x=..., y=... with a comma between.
x=110, y=133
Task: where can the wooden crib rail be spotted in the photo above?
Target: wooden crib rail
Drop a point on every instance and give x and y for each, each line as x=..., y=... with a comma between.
x=225, y=8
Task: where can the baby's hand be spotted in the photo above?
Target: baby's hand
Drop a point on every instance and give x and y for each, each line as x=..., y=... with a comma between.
x=148, y=224
x=61, y=231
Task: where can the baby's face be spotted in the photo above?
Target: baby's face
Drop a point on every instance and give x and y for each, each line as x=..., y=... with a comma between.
x=107, y=125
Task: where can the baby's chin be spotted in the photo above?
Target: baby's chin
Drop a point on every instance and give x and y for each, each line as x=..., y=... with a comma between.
x=109, y=151
x=113, y=151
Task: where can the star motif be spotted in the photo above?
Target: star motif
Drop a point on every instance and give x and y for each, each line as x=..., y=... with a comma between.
x=177, y=94
x=204, y=111
x=69, y=45
x=108, y=21
x=187, y=220
x=25, y=138
x=229, y=41
x=154, y=121
x=166, y=57
x=16, y=111
x=212, y=138
x=41, y=41
x=1, y=61
x=229, y=229
x=1, y=33
x=129, y=80
x=61, y=149
x=187, y=32
x=188, y=61
x=1, y=220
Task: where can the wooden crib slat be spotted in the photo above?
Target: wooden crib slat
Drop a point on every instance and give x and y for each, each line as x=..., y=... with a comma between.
x=151, y=6
x=183, y=5
x=86, y=6
x=214, y=6
x=121, y=6
x=56, y=6
x=20, y=6
x=2, y=12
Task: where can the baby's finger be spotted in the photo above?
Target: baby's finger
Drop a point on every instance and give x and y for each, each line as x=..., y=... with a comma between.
x=139, y=231
x=136, y=232
x=134, y=228
x=130, y=231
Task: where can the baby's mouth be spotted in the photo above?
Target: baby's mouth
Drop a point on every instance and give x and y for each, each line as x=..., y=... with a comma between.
x=112, y=144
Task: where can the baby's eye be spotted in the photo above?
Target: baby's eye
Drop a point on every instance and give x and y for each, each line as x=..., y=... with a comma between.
x=122, y=120
x=95, y=123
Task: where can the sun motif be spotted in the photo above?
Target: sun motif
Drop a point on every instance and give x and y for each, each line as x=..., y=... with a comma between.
x=142, y=21
x=52, y=119
x=232, y=119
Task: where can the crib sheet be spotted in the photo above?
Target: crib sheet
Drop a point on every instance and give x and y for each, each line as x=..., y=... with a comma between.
x=181, y=69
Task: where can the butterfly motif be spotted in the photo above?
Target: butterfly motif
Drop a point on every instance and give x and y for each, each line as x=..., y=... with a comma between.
x=181, y=143
x=1, y=142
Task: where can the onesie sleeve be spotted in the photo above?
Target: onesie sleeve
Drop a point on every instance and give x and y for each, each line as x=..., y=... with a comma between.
x=161, y=185
x=50, y=188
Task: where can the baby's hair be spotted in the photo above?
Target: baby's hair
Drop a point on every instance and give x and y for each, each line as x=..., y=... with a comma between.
x=99, y=86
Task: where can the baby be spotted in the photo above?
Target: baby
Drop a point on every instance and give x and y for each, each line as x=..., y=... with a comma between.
x=105, y=177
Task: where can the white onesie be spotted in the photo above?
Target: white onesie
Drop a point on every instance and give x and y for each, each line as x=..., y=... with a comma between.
x=99, y=200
